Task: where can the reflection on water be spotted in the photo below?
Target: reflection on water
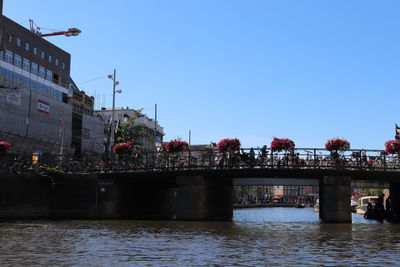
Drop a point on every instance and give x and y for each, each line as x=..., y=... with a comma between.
x=269, y=236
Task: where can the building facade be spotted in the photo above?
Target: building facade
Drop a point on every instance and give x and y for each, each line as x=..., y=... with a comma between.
x=37, y=105
x=151, y=133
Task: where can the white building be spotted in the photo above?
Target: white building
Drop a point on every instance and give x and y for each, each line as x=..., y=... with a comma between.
x=152, y=132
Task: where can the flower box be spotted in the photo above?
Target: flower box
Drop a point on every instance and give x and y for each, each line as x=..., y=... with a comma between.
x=279, y=144
x=4, y=146
x=337, y=144
x=228, y=145
x=392, y=146
x=123, y=148
x=174, y=146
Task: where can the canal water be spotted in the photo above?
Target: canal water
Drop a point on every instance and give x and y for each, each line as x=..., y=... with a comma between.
x=255, y=237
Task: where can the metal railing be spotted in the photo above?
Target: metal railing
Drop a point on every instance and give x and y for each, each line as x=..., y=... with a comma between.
x=210, y=158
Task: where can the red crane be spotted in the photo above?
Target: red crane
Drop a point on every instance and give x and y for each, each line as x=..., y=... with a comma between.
x=70, y=32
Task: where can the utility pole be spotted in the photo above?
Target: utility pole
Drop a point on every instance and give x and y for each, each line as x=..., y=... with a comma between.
x=111, y=140
x=155, y=125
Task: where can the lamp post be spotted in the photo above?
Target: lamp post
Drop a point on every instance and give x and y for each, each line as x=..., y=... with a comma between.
x=112, y=130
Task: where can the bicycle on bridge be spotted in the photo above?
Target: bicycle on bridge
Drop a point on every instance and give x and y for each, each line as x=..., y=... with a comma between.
x=207, y=158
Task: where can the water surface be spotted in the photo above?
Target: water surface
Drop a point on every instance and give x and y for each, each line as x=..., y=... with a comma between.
x=255, y=237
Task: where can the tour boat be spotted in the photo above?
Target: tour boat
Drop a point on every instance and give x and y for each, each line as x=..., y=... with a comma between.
x=360, y=209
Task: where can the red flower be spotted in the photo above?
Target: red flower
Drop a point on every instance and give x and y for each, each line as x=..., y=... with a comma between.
x=392, y=146
x=228, y=144
x=123, y=148
x=176, y=146
x=279, y=144
x=337, y=144
x=4, y=146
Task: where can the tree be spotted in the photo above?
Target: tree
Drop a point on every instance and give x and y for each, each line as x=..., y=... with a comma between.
x=372, y=191
x=128, y=130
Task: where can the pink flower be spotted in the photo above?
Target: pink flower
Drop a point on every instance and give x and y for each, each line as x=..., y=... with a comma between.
x=392, y=146
x=279, y=144
x=337, y=144
x=4, y=146
x=176, y=146
x=228, y=144
x=123, y=148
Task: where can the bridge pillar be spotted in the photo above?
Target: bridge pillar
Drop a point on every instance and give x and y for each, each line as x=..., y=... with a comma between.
x=334, y=199
x=204, y=198
x=395, y=201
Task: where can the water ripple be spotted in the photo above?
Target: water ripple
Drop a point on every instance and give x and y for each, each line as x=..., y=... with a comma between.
x=258, y=237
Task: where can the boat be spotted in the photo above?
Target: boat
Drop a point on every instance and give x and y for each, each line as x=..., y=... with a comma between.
x=300, y=205
x=362, y=207
x=353, y=204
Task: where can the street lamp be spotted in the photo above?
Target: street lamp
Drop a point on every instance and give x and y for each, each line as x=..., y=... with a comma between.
x=112, y=130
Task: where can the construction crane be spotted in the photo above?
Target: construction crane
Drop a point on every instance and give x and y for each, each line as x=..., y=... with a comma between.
x=70, y=32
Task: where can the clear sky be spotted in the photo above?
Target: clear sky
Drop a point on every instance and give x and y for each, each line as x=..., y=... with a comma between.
x=308, y=70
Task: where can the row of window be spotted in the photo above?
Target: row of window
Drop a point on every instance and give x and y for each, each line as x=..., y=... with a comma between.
x=25, y=64
x=35, y=51
x=11, y=79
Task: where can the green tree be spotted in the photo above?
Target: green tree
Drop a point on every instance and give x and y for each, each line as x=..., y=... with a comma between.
x=372, y=191
x=128, y=130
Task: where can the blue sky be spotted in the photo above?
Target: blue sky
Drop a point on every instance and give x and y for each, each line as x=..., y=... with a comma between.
x=308, y=70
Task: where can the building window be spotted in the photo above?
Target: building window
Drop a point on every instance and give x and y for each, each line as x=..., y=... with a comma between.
x=18, y=42
x=1, y=55
x=35, y=51
x=42, y=72
x=26, y=64
x=63, y=66
x=42, y=54
x=56, y=62
x=9, y=37
x=49, y=75
x=34, y=68
x=9, y=56
x=27, y=46
x=18, y=61
x=50, y=59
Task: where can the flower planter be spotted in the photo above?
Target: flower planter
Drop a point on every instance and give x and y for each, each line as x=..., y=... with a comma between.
x=123, y=148
x=228, y=145
x=392, y=146
x=4, y=146
x=337, y=144
x=279, y=144
x=175, y=146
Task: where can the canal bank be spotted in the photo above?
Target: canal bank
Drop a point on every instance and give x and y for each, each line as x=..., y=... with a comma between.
x=265, y=205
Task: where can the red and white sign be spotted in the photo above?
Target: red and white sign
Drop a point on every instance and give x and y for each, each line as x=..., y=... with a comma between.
x=43, y=106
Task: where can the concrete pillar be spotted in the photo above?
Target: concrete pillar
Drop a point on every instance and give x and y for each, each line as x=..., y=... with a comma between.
x=334, y=199
x=204, y=198
x=395, y=201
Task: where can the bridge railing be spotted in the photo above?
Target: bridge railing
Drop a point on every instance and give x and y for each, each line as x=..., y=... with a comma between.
x=209, y=158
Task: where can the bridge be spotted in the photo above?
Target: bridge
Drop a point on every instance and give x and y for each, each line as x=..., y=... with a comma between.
x=197, y=185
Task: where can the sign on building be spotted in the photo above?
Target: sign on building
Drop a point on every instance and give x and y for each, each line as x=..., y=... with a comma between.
x=43, y=106
x=14, y=98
